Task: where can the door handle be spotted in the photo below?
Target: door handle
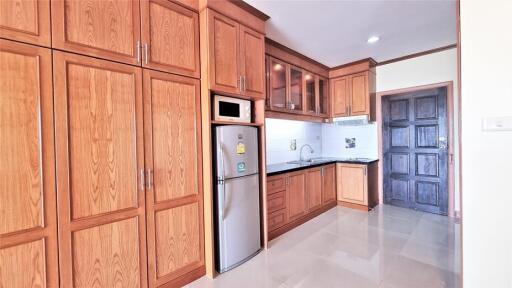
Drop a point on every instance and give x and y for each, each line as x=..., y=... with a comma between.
x=138, y=51
x=149, y=177
x=146, y=52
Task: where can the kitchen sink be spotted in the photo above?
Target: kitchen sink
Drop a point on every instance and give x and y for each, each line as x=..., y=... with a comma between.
x=308, y=162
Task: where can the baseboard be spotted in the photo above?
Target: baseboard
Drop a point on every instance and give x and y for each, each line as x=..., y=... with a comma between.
x=354, y=206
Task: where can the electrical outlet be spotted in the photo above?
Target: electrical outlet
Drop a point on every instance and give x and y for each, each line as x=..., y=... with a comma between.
x=293, y=144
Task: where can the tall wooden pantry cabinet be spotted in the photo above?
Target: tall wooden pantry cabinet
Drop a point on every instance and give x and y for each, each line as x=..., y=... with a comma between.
x=100, y=141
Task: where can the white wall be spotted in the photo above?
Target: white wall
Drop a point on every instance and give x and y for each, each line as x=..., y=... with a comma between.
x=279, y=133
x=486, y=45
x=424, y=70
x=333, y=141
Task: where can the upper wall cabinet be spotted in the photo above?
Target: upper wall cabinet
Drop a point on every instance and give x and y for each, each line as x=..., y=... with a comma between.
x=170, y=37
x=26, y=21
x=353, y=94
x=236, y=56
x=157, y=34
x=104, y=29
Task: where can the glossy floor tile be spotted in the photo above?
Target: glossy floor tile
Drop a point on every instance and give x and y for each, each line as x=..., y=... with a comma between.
x=388, y=247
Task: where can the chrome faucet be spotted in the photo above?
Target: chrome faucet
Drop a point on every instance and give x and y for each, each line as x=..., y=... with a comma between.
x=302, y=147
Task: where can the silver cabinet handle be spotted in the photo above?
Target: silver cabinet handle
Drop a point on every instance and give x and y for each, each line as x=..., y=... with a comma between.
x=141, y=179
x=149, y=177
x=243, y=81
x=146, y=53
x=138, y=51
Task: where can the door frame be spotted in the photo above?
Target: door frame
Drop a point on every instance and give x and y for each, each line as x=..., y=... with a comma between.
x=450, y=120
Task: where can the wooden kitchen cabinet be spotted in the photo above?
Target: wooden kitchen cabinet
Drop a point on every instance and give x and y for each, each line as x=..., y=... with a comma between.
x=157, y=34
x=236, y=56
x=174, y=201
x=356, y=185
x=353, y=94
x=104, y=29
x=296, y=195
x=170, y=37
x=328, y=183
x=311, y=84
x=314, y=187
x=26, y=21
x=323, y=96
x=28, y=228
x=100, y=158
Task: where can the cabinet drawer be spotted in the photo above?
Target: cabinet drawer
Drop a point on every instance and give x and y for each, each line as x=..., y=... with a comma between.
x=276, y=201
x=275, y=184
x=276, y=219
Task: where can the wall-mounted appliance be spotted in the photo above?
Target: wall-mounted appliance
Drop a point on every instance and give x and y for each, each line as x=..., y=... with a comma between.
x=231, y=109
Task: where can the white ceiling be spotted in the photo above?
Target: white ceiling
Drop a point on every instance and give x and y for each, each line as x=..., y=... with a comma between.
x=335, y=32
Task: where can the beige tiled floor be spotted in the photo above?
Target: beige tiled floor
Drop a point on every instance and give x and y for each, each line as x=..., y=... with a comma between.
x=389, y=247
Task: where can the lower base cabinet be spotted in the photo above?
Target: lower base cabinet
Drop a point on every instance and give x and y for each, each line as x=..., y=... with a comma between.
x=295, y=197
x=357, y=185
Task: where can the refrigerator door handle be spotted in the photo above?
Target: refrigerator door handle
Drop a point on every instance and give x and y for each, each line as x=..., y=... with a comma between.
x=222, y=182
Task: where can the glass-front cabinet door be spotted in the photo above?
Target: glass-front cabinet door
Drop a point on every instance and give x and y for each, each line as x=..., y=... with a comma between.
x=311, y=105
x=296, y=89
x=278, y=88
x=323, y=96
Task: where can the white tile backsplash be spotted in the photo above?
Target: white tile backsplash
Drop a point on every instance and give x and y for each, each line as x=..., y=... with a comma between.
x=327, y=140
x=279, y=133
x=333, y=140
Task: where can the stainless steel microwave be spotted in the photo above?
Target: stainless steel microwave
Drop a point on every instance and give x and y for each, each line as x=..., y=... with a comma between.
x=231, y=109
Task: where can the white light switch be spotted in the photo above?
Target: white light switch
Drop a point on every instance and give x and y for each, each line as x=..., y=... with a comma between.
x=497, y=123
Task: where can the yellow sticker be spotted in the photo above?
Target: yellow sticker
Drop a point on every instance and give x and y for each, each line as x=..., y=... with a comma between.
x=240, y=148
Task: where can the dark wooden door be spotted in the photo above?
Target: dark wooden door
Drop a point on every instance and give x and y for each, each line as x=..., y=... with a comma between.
x=416, y=151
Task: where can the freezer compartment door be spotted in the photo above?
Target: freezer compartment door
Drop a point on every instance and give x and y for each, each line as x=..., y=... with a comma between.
x=237, y=151
x=238, y=221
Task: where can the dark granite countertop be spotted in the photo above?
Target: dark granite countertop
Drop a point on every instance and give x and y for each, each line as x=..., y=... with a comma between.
x=278, y=168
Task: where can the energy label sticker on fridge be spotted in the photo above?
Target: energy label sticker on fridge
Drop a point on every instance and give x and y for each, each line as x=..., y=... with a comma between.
x=240, y=148
x=240, y=167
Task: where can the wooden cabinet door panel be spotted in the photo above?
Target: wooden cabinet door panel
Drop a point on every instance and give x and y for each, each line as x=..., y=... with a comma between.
x=277, y=219
x=276, y=201
x=174, y=201
x=352, y=183
x=359, y=95
x=98, y=120
x=314, y=188
x=171, y=33
x=323, y=96
x=340, y=99
x=224, y=53
x=104, y=29
x=278, y=84
x=26, y=21
x=311, y=93
x=296, y=195
x=252, y=61
x=28, y=230
x=276, y=183
x=329, y=184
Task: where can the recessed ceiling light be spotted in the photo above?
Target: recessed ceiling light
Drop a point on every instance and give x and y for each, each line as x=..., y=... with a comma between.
x=373, y=39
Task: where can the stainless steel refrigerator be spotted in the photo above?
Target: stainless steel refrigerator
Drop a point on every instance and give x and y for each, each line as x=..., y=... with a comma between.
x=237, y=197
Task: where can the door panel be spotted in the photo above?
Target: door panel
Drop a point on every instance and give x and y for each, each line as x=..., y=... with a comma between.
x=224, y=53
x=174, y=200
x=296, y=89
x=329, y=184
x=26, y=21
x=278, y=89
x=28, y=231
x=296, y=195
x=314, y=188
x=99, y=155
x=339, y=93
x=323, y=96
x=172, y=35
x=359, y=95
x=252, y=60
x=311, y=105
x=352, y=184
x=104, y=29
x=415, y=150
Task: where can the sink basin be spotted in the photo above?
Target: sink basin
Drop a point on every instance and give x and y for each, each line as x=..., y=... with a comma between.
x=307, y=162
